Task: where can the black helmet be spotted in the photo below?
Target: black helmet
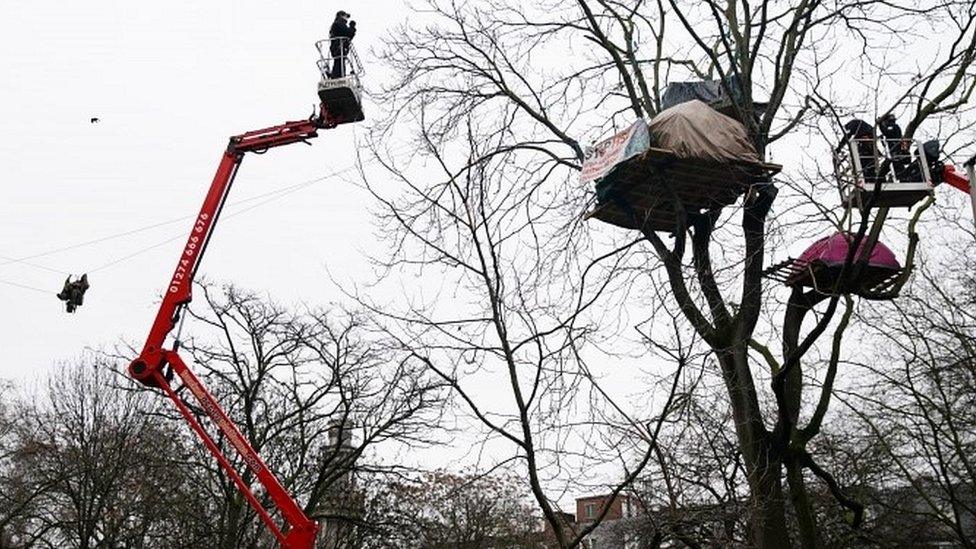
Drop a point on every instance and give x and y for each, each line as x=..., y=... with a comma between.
x=859, y=129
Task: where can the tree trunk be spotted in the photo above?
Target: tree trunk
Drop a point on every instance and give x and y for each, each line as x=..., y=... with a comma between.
x=232, y=525
x=763, y=465
x=768, y=518
x=800, y=498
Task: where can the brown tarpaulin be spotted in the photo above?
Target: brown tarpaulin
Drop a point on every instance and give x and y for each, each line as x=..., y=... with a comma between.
x=693, y=130
x=697, y=155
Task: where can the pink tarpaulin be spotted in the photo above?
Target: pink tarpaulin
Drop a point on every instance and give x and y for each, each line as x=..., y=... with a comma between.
x=832, y=251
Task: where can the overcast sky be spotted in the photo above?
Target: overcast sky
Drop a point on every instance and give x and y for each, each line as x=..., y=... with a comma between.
x=169, y=81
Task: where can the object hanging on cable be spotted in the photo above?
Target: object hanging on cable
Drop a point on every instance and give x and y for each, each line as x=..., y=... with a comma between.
x=73, y=293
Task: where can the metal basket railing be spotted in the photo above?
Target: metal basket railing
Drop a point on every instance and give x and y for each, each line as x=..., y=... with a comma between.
x=338, y=59
x=898, y=164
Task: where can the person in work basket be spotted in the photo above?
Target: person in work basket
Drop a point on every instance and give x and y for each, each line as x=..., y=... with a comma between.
x=341, y=34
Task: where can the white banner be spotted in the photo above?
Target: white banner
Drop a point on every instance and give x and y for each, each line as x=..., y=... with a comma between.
x=599, y=159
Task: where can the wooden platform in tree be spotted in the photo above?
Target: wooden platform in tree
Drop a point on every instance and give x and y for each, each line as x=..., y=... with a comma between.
x=875, y=282
x=644, y=181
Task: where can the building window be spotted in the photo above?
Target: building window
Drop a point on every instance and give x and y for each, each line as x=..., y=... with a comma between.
x=589, y=510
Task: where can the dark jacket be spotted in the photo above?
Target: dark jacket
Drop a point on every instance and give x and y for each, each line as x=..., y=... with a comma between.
x=867, y=148
x=340, y=28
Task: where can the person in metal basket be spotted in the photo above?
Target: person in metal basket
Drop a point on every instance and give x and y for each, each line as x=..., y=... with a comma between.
x=341, y=34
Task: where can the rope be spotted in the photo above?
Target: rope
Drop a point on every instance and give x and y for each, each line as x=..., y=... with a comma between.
x=24, y=260
x=9, y=260
x=264, y=198
x=137, y=253
x=25, y=287
x=280, y=193
x=29, y=264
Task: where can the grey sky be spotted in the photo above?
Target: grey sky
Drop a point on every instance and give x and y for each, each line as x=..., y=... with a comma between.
x=170, y=82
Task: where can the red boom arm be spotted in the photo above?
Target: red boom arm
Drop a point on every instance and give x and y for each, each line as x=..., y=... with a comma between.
x=956, y=178
x=149, y=367
x=964, y=182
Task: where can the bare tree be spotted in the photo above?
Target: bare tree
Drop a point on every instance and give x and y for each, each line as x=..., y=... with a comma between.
x=511, y=310
x=499, y=97
x=17, y=494
x=91, y=462
x=918, y=409
x=441, y=510
x=694, y=493
x=90, y=468
x=313, y=392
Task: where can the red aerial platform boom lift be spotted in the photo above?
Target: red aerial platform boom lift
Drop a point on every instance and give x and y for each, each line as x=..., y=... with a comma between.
x=149, y=367
x=340, y=104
